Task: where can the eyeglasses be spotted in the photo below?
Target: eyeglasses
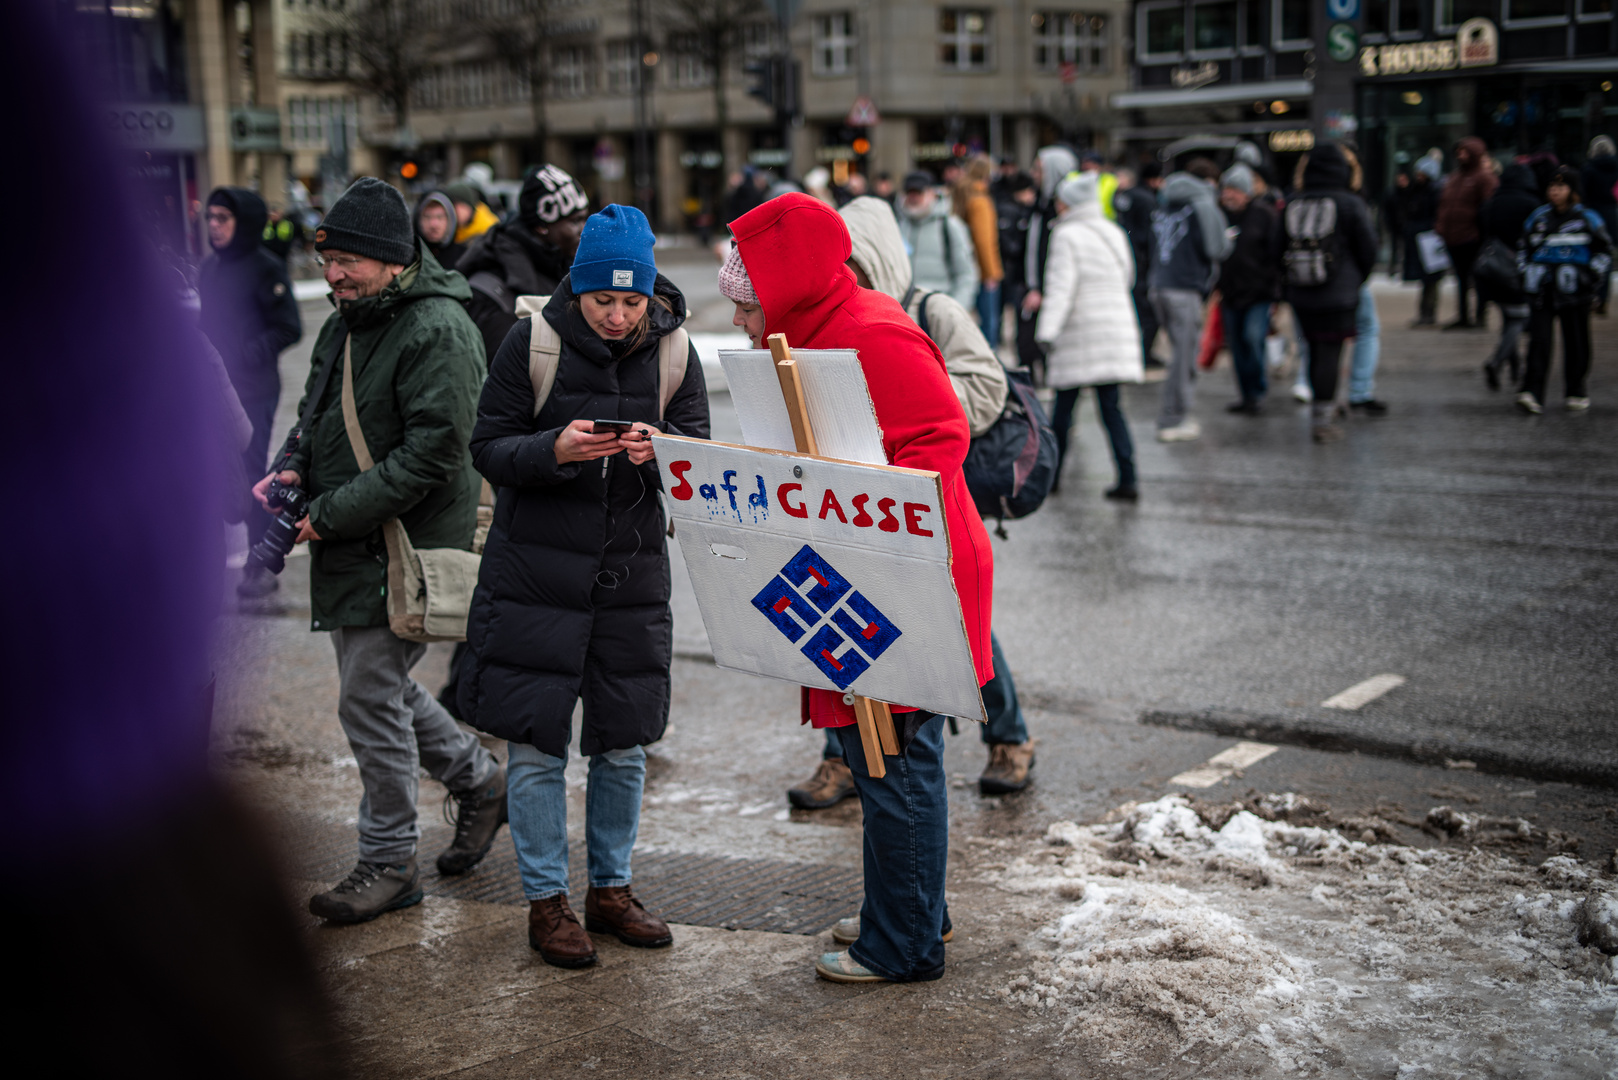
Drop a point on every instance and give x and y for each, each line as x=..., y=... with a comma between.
x=221, y=217
x=346, y=262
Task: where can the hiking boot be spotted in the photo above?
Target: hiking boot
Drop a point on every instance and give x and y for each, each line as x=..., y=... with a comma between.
x=1007, y=771
x=1184, y=431
x=1529, y=404
x=614, y=910
x=1369, y=407
x=1577, y=404
x=831, y=784
x=369, y=890
x=847, y=932
x=478, y=817
x=840, y=967
x=554, y=932
x=1123, y=493
x=257, y=583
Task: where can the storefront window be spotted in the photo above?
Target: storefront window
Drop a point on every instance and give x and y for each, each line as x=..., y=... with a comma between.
x=1392, y=16
x=1541, y=11
x=1293, y=23
x=1595, y=9
x=1213, y=25
x=1455, y=12
x=1165, y=29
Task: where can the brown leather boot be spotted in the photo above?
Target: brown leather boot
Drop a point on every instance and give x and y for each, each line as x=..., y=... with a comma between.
x=1008, y=768
x=831, y=784
x=554, y=932
x=614, y=910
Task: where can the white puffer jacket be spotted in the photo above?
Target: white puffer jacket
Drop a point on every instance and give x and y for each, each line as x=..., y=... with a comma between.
x=1087, y=319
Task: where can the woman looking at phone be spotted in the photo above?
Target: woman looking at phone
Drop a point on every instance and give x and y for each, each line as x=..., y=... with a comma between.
x=573, y=594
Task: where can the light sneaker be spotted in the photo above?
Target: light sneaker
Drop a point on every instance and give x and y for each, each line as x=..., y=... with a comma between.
x=847, y=932
x=840, y=967
x=1184, y=431
x=1577, y=404
x=1529, y=404
x=1303, y=392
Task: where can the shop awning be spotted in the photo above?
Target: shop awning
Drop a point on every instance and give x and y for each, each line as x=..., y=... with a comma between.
x=1214, y=95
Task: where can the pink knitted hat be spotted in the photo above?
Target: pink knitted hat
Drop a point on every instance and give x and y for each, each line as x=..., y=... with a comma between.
x=734, y=283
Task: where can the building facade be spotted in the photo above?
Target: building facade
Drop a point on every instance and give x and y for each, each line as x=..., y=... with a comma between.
x=1397, y=76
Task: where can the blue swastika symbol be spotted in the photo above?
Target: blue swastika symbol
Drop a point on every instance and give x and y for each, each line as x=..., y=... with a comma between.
x=846, y=631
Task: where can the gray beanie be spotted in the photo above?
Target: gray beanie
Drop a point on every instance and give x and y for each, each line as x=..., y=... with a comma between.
x=369, y=219
x=1239, y=177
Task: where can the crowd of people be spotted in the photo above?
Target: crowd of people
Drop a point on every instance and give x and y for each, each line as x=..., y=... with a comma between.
x=491, y=384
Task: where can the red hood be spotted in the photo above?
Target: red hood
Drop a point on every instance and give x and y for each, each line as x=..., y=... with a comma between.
x=794, y=248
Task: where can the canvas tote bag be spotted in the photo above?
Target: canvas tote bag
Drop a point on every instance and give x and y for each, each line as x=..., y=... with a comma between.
x=429, y=589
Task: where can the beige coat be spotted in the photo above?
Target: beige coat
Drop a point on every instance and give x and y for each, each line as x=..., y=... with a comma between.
x=974, y=370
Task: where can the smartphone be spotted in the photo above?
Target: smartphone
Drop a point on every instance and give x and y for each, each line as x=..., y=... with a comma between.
x=612, y=427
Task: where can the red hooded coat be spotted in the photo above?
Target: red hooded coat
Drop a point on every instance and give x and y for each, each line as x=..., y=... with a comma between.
x=794, y=248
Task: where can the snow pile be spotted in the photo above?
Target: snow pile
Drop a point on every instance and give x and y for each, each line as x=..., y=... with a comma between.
x=1309, y=952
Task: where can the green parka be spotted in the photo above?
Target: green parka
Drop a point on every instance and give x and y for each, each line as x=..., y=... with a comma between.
x=418, y=370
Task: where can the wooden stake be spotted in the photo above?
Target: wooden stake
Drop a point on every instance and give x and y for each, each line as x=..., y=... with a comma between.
x=874, y=718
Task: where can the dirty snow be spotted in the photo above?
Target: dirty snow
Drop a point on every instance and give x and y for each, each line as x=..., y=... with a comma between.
x=1292, y=949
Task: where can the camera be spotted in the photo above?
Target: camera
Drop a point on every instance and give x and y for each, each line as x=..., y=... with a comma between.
x=291, y=504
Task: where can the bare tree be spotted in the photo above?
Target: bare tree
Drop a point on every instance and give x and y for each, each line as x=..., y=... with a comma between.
x=518, y=34
x=714, y=31
x=390, y=44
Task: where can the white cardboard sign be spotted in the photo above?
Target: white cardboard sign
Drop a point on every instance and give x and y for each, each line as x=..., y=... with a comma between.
x=823, y=573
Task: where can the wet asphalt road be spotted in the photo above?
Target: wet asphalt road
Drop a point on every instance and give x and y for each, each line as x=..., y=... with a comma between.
x=1453, y=542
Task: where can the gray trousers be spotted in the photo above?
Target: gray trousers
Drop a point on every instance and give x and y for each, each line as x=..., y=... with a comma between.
x=395, y=728
x=1180, y=313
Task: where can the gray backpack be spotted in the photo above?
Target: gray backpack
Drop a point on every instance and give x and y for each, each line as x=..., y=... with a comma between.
x=1311, y=241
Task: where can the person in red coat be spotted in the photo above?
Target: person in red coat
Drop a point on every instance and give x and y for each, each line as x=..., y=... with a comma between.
x=787, y=276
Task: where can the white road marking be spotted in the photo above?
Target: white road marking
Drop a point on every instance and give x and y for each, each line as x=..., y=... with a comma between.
x=1362, y=693
x=1224, y=763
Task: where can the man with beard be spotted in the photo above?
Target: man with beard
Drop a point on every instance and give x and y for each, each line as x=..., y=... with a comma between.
x=526, y=256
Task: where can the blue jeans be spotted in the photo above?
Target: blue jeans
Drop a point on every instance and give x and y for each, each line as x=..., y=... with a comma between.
x=906, y=847
x=1367, y=350
x=999, y=701
x=1112, y=418
x=1245, y=330
x=536, y=798
x=989, y=313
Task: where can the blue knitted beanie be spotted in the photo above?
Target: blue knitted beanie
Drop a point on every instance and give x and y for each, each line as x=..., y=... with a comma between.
x=615, y=253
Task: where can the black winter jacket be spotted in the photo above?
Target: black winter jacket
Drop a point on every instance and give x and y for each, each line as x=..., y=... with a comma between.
x=248, y=310
x=1252, y=274
x=573, y=593
x=527, y=265
x=1354, y=253
x=1134, y=208
x=1506, y=213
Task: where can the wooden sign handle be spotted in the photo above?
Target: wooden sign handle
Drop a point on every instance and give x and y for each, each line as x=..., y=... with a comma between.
x=874, y=718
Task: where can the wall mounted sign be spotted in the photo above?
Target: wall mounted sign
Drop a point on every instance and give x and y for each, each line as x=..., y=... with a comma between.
x=1342, y=42
x=1343, y=9
x=1476, y=44
x=1189, y=78
x=1292, y=141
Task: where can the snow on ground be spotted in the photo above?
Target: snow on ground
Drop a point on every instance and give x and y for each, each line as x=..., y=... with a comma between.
x=1215, y=933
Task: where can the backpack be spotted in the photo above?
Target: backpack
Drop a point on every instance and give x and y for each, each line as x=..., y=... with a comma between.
x=1009, y=469
x=1495, y=270
x=1311, y=241
x=545, y=349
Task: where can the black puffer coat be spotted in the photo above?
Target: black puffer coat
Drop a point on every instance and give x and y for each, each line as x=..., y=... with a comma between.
x=527, y=265
x=248, y=310
x=1326, y=176
x=573, y=595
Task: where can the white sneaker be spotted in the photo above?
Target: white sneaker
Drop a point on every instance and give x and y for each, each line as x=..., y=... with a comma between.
x=1184, y=431
x=1529, y=404
x=1577, y=404
x=1302, y=392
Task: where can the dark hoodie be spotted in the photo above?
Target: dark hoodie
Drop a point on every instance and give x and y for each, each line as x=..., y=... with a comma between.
x=1506, y=213
x=1353, y=245
x=449, y=252
x=1464, y=194
x=248, y=310
x=504, y=263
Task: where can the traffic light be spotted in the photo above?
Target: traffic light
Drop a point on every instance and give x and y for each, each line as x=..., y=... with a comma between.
x=409, y=170
x=764, y=79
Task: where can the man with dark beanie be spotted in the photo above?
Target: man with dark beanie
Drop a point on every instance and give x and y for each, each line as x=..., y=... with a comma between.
x=249, y=315
x=406, y=354
x=527, y=255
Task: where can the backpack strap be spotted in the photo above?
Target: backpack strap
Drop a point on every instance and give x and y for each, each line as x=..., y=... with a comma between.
x=949, y=249
x=544, y=348
x=491, y=286
x=921, y=314
x=673, y=353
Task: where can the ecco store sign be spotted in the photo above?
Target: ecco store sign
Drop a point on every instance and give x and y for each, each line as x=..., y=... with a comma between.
x=1476, y=44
